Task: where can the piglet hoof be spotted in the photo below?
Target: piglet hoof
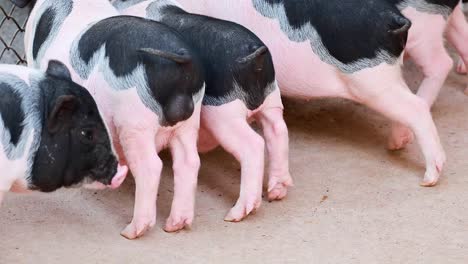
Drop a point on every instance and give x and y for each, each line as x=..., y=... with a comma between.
x=429, y=180
x=242, y=209
x=432, y=175
x=400, y=137
x=278, y=188
x=137, y=229
x=461, y=67
x=174, y=224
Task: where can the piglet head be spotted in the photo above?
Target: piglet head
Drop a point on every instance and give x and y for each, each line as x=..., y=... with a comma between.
x=75, y=146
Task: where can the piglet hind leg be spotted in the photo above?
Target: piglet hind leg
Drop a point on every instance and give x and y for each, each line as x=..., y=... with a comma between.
x=436, y=64
x=428, y=52
x=229, y=126
x=186, y=164
x=276, y=137
x=139, y=149
x=206, y=141
x=383, y=89
x=457, y=34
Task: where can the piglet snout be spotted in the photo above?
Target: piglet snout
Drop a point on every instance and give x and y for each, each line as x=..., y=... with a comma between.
x=119, y=177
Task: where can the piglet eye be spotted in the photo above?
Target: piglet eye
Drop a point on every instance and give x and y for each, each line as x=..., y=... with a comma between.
x=88, y=134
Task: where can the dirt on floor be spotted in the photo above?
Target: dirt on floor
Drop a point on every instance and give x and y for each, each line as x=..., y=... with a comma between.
x=353, y=202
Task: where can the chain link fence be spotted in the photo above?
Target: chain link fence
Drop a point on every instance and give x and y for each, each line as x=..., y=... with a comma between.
x=12, y=23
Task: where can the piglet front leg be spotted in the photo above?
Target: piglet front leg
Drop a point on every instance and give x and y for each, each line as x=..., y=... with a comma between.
x=139, y=149
x=186, y=164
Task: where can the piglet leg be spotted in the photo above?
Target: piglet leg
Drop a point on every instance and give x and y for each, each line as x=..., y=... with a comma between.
x=139, y=149
x=186, y=164
x=229, y=126
x=457, y=34
x=435, y=64
x=276, y=137
x=428, y=51
x=383, y=89
x=206, y=140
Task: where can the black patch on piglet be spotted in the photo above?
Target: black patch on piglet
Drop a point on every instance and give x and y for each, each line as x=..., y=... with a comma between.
x=234, y=58
x=349, y=30
x=48, y=25
x=172, y=70
x=11, y=112
x=74, y=141
x=43, y=29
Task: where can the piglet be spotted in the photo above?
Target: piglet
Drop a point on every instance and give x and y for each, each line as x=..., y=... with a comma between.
x=240, y=88
x=51, y=133
x=146, y=81
x=334, y=48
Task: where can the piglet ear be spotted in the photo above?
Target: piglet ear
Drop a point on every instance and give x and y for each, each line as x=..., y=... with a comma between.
x=60, y=116
x=21, y=3
x=58, y=70
x=257, y=58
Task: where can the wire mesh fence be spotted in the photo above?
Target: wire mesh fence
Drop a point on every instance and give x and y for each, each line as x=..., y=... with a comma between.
x=12, y=23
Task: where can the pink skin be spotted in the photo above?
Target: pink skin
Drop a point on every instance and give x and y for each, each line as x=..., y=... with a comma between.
x=135, y=130
x=228, y=126
x=139, y=140
x=426, y=47
x=186, y=164
x=457, y=34
x=381, y=88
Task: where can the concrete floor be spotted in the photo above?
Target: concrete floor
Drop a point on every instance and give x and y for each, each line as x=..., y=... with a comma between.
x=354, y=202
